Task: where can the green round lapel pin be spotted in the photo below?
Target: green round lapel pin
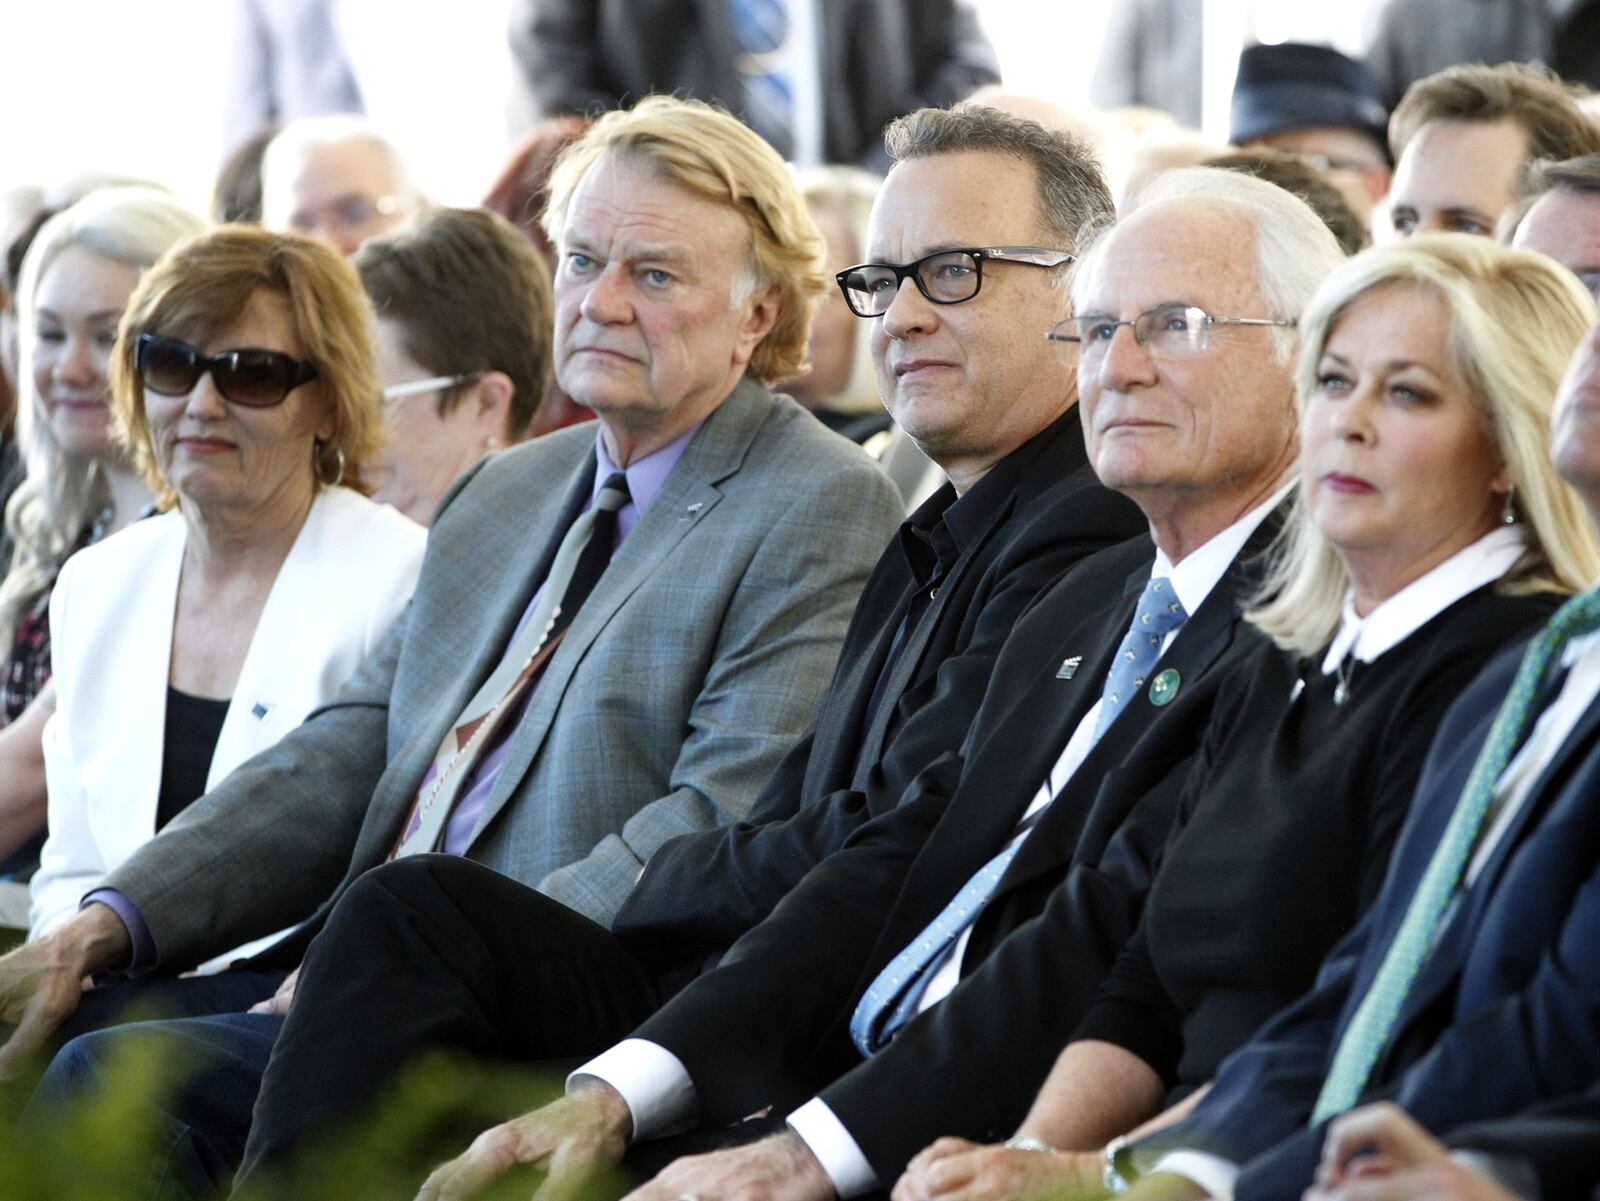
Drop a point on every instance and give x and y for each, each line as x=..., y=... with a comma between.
x=1164, y=688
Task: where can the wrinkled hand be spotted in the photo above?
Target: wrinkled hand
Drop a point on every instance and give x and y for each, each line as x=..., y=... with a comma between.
x=569, y=1137
x=1379, y=1152
x=954, y=1169
x=780, y=1168
x=279, y=1002
x=41, y=982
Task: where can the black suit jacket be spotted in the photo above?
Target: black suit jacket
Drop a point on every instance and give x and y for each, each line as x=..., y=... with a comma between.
x=1561, y=1140
x=880, y=59
x=1505, y=1011
x=701, y=892
x=770, y=1025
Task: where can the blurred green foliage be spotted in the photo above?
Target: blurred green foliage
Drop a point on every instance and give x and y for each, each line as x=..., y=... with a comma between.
x=109, y=1146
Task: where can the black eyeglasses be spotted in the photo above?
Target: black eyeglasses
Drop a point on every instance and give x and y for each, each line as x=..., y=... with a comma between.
x=255, y=378
x=944, y=277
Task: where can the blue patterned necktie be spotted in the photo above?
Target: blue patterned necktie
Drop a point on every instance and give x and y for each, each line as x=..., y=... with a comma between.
x=761, y=35
x=1373, y=1024
x=1159, y=613
x=893, y=998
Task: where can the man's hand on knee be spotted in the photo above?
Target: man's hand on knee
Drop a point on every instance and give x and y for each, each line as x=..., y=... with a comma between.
x=780, y=1168
x=41, y=982
x=278, y=1003
x=570, y=1137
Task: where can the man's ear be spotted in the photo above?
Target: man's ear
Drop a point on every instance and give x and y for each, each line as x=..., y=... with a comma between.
x=761, y=313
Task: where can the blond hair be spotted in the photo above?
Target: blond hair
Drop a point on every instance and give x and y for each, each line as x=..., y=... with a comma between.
x=849, y=192
x=57, y=504
x=205, y=284
x=1515, y=318
x=712, y=154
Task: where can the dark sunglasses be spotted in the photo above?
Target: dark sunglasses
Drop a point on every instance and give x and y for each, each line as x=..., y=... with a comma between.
x=255, y=378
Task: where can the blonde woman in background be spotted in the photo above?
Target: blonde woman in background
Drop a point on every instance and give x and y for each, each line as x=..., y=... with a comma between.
x=75, y=279
x=838, y=385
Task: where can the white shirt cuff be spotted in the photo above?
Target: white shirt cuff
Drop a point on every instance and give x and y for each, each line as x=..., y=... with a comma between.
x=652, y=1080
x=1211, y=1172
x=825, y=1137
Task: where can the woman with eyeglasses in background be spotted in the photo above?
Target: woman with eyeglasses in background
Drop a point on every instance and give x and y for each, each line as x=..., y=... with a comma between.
x=244, y=389
x=74, y=280
x=464, y=329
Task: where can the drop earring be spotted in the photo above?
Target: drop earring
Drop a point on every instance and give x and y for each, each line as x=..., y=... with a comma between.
x=1508, y=512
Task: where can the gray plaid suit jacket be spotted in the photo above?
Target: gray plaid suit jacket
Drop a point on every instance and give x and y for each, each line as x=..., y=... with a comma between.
x=692, y=668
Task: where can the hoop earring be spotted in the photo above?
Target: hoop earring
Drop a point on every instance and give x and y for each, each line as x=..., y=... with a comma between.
x=1508, y=512
x=316, y=465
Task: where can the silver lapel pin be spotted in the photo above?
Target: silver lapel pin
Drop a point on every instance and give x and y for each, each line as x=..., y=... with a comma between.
x=1069, y=667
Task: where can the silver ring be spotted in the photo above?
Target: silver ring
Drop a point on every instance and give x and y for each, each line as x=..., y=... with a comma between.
x=687, y=1197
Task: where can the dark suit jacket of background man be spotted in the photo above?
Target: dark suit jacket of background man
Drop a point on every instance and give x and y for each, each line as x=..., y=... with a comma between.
x=1505, y=1011
x=1559, y=1140
x=771, y=1024
x=701, y=892
x=881, y=59
x=687, y=675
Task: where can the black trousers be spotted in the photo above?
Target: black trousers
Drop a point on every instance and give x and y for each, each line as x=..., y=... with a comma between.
x=437, y=952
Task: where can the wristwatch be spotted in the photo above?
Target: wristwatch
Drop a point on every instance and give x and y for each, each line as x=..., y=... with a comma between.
x=1024, y=1142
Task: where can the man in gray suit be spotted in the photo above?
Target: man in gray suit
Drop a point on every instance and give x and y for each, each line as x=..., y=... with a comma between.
x=568, y=741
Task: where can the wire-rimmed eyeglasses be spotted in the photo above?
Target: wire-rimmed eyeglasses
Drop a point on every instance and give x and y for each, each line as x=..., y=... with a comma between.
x=434, y=383
x=1168, y=329
x=944, y=277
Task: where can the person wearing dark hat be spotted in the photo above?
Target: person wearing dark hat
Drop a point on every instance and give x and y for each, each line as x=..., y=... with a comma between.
x=1314, y=101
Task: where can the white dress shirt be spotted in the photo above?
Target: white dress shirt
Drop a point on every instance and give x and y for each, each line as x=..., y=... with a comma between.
x=655, y=1084
x=1582, y=659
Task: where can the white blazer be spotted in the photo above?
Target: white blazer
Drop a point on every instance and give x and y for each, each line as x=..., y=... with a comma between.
x=346, y=579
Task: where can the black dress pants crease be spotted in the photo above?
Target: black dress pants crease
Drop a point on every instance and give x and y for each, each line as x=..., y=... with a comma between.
x=437, y=952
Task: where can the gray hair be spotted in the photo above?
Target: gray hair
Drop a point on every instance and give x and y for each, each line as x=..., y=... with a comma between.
x=1072, y=191
x=296, y=138
x=1295, y=251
